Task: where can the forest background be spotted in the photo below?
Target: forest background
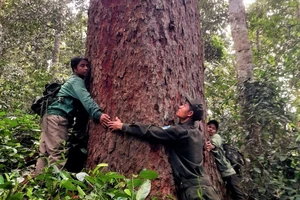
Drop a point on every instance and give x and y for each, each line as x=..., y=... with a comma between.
x=39, y=37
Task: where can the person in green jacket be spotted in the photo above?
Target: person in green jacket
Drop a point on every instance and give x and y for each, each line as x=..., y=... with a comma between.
x=60, y=115
x=186, y=144
x=227, y=172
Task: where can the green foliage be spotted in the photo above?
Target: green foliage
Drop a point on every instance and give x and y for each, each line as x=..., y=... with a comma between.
x=96, y=184
x=272, y=98
x=19, y=135
x=18, y=138
x=28, y=34
x=213, y=23
x=274, y=29
x=16, y=84
x=214, y=48
x=37, y=41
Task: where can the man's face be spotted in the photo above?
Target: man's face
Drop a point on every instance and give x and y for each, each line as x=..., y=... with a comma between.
x=184, y=111
x=82, y=68
x=211, y=128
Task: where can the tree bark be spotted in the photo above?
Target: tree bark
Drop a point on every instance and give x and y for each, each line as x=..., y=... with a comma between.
x=1, y=2
x=60, y=13
x=239, y=31
x=1, y=33
x=56, y=49
x=145, y=56
x=244, y=66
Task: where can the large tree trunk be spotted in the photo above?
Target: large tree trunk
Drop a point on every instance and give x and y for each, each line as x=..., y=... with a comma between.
x=244, y=65
x=145, y=55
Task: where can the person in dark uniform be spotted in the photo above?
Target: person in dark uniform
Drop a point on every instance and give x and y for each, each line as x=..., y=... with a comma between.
x=186, y=144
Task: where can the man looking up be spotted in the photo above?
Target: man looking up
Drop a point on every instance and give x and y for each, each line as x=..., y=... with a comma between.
x=60, y=115
x=186, y=144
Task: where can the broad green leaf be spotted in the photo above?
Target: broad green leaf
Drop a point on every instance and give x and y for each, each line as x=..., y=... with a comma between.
x=114, y=175
x=29, y=192
x=136, y=182
x=68, y=185
x=128, y=192
x=282, y=158
x=120, y=185
x=81, y=192
x=91, y=179
x=1, y=179
x=257, y=170
x=298, y=138
x=7, y=185
x=144, y=190
x=148, y=174
x=17, y=196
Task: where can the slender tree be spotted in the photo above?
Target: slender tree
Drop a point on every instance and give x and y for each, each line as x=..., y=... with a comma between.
x=145, y=56
x=1, y=2
x=244, y=68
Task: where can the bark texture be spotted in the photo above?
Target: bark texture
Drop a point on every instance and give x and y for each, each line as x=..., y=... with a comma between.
x=56, y=49
x=145, y=55
x=239, y=31
x=244, y=65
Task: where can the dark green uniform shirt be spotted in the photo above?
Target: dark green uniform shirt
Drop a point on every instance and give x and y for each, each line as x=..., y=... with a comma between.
x=74, y=89
x=186, y=149
x=223, y=164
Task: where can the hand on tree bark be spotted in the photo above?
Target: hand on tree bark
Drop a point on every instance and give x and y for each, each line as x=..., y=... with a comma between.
x=209, y=146
x=104, y=119
x=115, y=125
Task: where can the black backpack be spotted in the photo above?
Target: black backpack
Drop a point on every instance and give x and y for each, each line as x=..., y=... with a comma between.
x=40, y=105
x=235, y=157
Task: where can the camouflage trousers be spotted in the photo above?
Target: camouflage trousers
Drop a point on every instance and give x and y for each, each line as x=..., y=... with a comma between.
x=52, y=143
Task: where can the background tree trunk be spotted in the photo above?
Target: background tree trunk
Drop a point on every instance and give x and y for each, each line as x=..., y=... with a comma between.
x=59, y=26
x=56, y=49
x=244, y=67
x=1, y=34
x=145, y=55
x=239, y=31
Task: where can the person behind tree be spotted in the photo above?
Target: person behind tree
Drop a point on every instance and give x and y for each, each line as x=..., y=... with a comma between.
x=227, y=172
x=60, y=114
x=186, y=144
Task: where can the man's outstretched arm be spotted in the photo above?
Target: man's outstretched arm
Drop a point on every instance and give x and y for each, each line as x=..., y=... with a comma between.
x=169, y=133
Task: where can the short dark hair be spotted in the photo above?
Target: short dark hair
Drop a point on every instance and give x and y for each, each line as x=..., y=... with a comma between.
x=76, y=60
x=214, y=122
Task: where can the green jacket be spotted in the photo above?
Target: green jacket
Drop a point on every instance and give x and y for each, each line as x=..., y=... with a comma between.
x=73, y=92
x=222, y=162
x=185, y=153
